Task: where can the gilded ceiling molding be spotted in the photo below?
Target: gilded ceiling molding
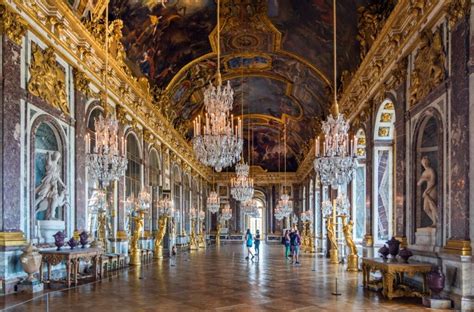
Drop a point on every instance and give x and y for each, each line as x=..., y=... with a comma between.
x=78, y=46
x=12, y=25
x=47, y=78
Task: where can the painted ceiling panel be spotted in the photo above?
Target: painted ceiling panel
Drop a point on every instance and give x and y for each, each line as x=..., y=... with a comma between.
x=282, y=47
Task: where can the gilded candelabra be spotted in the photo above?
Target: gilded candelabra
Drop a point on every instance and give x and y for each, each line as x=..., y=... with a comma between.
x=162, y=225
x=352, y=258
x=138, y=221
x=218, y=234
x=193, y=241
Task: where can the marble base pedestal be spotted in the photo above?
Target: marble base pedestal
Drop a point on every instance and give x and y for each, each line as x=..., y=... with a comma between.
x=425, y=236
x=437, y=303
x=30, y=286
x=48, y=228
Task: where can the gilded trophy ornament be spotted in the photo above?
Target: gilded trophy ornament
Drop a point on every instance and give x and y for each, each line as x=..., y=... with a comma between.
x=12, y=25
x=429, y=66
x=47, y=78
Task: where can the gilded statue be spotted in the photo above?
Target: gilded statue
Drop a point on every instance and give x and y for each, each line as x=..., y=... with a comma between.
x=162, y=223
x=347, y=229
x=47, y=79
x=116, y=48
x=51, y=192
x=331, y=233
x=103, y=227
x=429, y=66
x=430, y=195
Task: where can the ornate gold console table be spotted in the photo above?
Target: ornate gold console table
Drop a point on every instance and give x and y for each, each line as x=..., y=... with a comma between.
x=72, y=259
x=393, y=273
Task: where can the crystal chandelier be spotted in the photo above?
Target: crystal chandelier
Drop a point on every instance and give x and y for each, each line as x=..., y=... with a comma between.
x=250, y=208
x=340, y=205
x=307, y=216
x=141, y=203
x=279, y=215
x=217, y=142
x=226, y=213
x=106, y=163
x=337, y=162
x=285, y=203
x=166, y=206
x=213, y=202
x=241, y=185
x=201, y=215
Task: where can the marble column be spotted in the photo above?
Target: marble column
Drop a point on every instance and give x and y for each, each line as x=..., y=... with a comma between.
x=10, y=119
x=459, y=134
x=400, y=163
x=80, y=100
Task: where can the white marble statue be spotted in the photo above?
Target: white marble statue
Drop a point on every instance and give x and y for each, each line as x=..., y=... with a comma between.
x=51, y=193
x=430, y=195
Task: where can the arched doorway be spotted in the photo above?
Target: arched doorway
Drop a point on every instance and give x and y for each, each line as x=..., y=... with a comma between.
x=255, y=223
x=384, y=134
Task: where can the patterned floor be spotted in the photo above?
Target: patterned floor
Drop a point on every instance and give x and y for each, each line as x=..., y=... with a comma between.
x=220, y=279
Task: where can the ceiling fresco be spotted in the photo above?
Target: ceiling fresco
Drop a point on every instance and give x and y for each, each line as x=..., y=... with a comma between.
x=281, y=47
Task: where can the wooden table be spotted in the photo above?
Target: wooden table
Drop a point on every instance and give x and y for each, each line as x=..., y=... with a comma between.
x=72, y=259
x=393, y=273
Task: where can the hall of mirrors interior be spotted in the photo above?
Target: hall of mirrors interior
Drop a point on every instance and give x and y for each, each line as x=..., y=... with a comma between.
x=236, y=154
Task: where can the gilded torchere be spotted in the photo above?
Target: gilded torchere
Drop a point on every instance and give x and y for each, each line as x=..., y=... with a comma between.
x=162, y=226
x=352, y=258
x=193, y=242
x=138, y=221
x=331, y=229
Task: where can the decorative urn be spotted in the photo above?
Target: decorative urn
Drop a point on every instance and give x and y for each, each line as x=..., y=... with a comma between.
x=435, y=280
x=383, y=251
x=72, y=243
x=59, y=238
x=30, y=260
x=83, y=239
x=393, y=247
x=405, y=254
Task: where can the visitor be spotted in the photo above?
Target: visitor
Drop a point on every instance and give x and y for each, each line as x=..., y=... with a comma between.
x=173, y=255
x=286, y=243
x=257, y=244
x=249, y=240
x=295, y=240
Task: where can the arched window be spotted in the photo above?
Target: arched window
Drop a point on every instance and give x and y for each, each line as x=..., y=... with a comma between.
x=47, y=142
x=133, y=179
x=383, y=172
x=359, y=188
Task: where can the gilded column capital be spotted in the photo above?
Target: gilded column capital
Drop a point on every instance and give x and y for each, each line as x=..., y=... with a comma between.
x=121, y=113
x=148, y=136
x=12, y=25
x=456, y=10
x=81, y=83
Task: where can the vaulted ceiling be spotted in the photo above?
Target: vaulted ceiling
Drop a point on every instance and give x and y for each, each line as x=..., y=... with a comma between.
x=276, y=53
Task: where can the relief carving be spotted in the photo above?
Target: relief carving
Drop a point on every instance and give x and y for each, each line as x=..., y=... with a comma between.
x=371, y=20
x=47, y=78
x=428, y=66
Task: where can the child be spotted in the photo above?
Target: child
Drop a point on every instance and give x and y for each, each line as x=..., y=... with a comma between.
x=173, y=255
